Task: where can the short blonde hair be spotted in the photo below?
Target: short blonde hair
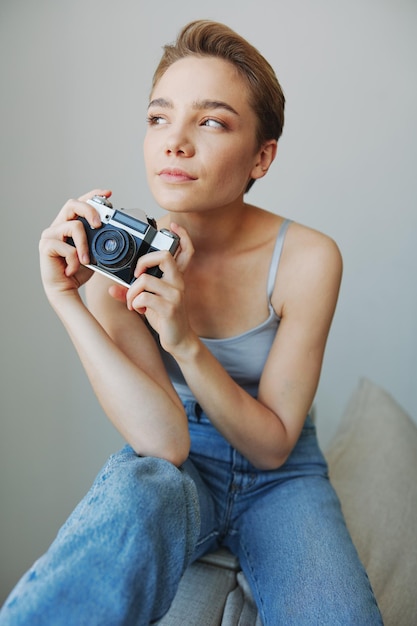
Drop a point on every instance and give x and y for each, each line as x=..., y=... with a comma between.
x=207, y=38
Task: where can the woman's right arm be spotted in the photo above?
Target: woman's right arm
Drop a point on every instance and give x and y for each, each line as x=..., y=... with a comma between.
x=115, y=347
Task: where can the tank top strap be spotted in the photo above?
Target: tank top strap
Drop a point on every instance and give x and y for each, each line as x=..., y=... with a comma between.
x=276, y=255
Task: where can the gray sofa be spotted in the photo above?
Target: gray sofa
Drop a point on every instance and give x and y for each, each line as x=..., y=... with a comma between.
x=373, y=466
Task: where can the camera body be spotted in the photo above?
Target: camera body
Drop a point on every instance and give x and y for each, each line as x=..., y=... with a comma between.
x=116, y=246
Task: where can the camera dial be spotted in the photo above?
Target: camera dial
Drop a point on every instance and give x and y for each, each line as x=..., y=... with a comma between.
x=101, y=200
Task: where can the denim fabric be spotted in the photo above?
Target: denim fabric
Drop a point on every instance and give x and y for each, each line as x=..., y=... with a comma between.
x=287, y=529
x=119, y=557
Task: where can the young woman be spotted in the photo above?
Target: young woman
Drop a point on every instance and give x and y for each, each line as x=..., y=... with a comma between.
x=208, y=372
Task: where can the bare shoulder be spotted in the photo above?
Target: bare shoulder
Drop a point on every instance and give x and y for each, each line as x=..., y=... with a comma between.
x=312, y=246
x=311, y=266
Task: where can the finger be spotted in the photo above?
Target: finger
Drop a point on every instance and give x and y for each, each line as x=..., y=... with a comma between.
x=165, y=292
x=186, y=248
x=160, y=258
x=95, y=192
x=145, y=283
x=75, y=230
x=118, y=292
x=54, y=248
x=74, y=208
x=146, y=301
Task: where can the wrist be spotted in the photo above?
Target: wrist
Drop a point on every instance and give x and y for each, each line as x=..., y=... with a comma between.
x=61, y=300
x=188, y=350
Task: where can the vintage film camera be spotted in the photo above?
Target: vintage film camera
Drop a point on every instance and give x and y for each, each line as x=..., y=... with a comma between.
x=116, y=246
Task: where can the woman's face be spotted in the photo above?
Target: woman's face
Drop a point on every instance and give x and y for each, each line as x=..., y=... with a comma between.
x=200, y=146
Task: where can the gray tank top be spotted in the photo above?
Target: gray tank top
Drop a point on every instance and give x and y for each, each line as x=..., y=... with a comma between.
x=242, y=356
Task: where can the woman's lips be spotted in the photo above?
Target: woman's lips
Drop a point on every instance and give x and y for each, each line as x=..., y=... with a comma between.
x=175, y=175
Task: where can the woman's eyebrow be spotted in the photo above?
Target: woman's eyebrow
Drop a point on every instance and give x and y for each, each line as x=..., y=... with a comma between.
x=199, y=105
x=160, y=102
x=214, y=104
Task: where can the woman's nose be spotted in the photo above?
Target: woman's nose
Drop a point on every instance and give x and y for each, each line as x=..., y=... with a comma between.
x=179, y=143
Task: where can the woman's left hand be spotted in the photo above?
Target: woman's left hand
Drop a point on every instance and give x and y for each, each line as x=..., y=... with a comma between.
x=161, y=300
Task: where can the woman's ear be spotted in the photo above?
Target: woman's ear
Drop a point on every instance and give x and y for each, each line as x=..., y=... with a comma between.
x=264, y=158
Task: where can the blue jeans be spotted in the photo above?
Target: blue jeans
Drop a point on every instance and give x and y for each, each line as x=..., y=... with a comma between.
x=119, y=557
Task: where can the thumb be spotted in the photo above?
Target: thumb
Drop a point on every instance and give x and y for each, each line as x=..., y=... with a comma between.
x=186, y=249
x=118, y=292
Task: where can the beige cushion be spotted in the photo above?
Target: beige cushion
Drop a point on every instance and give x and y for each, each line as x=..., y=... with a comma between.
x=373, y=467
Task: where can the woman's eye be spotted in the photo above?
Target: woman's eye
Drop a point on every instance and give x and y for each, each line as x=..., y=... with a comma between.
x=155, y=120
x=213, y=123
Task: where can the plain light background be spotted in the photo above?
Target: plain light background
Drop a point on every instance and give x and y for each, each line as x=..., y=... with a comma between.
x=75, y=77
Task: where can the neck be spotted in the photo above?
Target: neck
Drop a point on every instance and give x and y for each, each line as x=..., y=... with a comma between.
x=212, y=231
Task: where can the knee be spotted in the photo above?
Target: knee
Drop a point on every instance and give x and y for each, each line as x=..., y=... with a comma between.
x=149, y=488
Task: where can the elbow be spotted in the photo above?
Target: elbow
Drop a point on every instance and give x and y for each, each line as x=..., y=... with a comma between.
x=272, y=459
x=272, y=462
x=177, y=455
x=176, y=459
x=174, y=450
x=177, y=448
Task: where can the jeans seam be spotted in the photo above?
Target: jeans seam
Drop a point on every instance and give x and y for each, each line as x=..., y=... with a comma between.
x=211, y=535
x=259, y=599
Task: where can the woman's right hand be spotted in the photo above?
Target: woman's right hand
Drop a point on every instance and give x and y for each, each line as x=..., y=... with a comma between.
x=63, y=268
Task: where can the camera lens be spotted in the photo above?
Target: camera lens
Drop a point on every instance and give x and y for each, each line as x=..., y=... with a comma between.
x=113, y=249
x=110, y=245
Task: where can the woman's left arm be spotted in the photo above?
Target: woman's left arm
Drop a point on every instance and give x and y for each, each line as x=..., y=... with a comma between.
x=266, y=429
x=310, y=283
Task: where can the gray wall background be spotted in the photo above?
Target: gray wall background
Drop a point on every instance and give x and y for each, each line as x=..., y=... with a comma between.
x=74, y=85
